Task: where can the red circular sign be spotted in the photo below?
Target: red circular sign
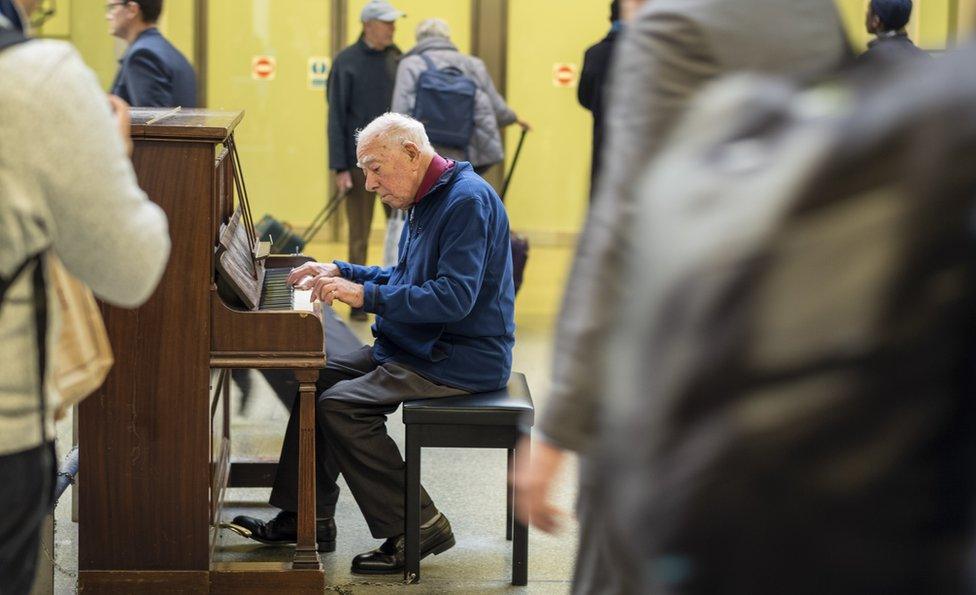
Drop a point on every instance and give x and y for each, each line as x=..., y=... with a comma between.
x=564, y=75
x=263, y=67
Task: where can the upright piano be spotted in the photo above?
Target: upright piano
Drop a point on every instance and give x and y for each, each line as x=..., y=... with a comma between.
x=155, y=439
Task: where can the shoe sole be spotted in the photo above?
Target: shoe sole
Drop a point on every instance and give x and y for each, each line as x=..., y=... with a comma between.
x=322, y=546
x=440, y=548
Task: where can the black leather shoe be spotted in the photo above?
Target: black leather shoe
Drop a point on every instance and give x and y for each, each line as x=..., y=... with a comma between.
x=389, y=558
x=283, y=530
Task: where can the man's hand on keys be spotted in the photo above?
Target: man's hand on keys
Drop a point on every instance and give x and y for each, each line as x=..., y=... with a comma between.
x=302, y=277
x=328, y=289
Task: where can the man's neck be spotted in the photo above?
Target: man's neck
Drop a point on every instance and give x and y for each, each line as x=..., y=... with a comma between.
x=136, y=31
x=373, y=45
x=424, y=166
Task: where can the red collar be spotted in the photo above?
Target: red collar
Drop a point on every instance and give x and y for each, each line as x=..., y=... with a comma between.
x=438, y=165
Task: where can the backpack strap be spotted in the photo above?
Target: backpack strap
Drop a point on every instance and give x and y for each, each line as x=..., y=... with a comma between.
x=11, y=37
x=430, y=63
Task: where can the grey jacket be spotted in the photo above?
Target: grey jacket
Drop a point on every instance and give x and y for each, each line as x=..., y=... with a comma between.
x=664, y=57
x=491, y=111
x=66, y=185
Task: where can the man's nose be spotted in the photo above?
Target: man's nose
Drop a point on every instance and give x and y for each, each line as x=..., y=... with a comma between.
x=371, y=184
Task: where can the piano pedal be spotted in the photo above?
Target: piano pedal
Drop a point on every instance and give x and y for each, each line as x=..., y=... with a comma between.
x=242, y=531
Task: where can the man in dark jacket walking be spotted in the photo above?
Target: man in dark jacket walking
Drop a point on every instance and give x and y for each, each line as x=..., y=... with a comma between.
x=593, y=79
x=886, y=20
x=444, y=327
x=152, y=73
x=360, y=89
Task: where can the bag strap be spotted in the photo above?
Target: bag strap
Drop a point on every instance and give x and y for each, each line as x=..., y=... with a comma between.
x=11, y=37
x=430, y=63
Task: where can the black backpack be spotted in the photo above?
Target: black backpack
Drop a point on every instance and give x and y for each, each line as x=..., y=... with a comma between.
x=445, y=105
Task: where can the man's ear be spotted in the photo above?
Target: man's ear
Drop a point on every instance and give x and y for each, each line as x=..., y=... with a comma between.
x=412, y=150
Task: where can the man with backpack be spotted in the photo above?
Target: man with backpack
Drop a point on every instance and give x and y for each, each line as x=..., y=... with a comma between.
x=359, y=90
x=454, y=96
x=67, y=188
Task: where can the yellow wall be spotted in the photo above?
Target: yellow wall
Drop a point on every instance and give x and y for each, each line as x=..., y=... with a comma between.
x=282, y=137
x=549, y=190
x=283, y=134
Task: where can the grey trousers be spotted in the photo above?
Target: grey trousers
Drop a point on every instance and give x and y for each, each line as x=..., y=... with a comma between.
x=359, y=211
x=355, y=396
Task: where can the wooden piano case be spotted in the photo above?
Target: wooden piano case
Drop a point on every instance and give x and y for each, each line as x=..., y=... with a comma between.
x=155, y=438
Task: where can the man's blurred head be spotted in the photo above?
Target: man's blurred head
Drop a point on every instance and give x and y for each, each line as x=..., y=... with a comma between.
x=379, y=23
x=629, y=9
x=125, y=17
x=888, y=15
x=394, y=152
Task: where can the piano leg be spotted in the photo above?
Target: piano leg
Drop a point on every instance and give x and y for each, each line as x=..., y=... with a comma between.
x=306, y=553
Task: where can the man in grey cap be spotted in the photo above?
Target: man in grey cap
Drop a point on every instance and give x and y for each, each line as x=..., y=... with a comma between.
x=360, y=89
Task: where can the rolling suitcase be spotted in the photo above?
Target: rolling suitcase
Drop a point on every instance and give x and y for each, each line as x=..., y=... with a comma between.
x=283, y=238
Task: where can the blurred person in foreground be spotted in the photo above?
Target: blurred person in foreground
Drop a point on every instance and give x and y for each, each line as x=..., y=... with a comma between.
x=491, y=113
x=66, y=187
x=886, y=20
x=790, y=406
x=152, y=72
x=669, y=51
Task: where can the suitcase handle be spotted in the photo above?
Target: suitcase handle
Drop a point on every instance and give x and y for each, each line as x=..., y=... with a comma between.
x=511, y=170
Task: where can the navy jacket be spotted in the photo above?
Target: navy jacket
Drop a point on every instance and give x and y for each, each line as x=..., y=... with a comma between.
x=360, y=89
x=153, y=73
x=447, y=309
x=590, y=92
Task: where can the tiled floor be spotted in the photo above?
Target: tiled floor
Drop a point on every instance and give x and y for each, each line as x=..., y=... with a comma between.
x=467, y=485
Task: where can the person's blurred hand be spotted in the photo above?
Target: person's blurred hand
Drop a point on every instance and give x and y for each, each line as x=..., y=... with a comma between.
x=343, y=181
x=303, y=276
x=533, y=478
x=123, y=121
x=525, y=125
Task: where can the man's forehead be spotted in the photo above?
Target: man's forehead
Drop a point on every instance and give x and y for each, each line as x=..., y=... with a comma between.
x=371, y=153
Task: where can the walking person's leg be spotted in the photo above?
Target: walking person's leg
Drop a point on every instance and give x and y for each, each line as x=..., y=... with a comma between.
x=26, y=488
x=359, y=211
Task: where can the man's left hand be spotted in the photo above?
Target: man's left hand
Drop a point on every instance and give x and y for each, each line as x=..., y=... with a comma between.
x=329, y=289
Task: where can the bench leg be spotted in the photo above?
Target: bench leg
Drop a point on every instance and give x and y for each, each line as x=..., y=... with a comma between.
x=520, y=542
x=510, y=497
x=411, y=567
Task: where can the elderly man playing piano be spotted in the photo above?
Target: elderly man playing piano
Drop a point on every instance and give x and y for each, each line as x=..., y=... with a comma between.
x=444, y=326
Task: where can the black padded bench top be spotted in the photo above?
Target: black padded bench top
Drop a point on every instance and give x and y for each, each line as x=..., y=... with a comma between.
x=511, y=405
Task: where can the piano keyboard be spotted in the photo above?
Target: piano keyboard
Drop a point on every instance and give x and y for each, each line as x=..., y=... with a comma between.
x=276, y=294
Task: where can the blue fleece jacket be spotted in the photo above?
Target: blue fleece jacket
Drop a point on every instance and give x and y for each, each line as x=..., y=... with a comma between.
x=447, y=308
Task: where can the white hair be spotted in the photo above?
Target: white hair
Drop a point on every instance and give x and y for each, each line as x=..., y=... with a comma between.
x=433, y=28
x=395, y=129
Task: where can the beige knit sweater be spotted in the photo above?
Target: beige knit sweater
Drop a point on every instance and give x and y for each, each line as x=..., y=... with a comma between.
x=67, y=185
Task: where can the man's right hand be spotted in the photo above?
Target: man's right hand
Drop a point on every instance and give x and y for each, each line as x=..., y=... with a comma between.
x=303, y=276
x=343, y=181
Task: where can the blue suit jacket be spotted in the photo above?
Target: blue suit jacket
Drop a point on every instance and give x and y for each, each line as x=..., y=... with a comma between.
x=153, y=73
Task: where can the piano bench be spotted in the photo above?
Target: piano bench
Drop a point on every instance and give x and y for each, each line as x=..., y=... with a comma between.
x=481, y=420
